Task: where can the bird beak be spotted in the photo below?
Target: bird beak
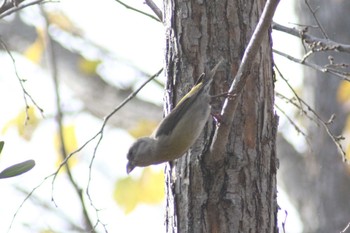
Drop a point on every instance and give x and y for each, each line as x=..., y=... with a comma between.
x=129, y=167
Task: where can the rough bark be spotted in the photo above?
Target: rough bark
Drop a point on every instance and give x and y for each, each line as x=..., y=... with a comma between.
x=318, y=182
x=238, y=195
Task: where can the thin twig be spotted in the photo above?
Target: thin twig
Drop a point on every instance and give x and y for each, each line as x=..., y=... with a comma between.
x=54, y=175
x=25, y=199
x=291, y=121
x=136, y=10
x=313, y=12
x=39, y=201
x=325, y=124
x=223, y=130
x=336, y=73
x=335, y=139
x=310, y=39
x=25, y=92
x=100, y=132
x=296, y=127
x=346, y=228
x=290, y=87
x=10, y=8
x=155, y=9
x=297, y=106
x=59, y=119
x=8, y=5
x=100, y=135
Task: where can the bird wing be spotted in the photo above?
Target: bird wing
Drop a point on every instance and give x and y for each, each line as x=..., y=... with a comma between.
x=167, y=125
x=170, y=121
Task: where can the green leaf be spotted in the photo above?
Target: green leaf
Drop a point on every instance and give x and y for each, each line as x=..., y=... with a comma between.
x=17, y=169
x=1, y=145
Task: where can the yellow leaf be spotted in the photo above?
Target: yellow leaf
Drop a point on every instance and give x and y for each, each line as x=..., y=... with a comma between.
x=343, y=93
x=152, y=184
x=143, y=128
x=70, y=142
x=36, y=50
x=126, y=193
x=59, y=19
x=47, y=231
x=149, y=189
x=88, y=67
x=25, y=122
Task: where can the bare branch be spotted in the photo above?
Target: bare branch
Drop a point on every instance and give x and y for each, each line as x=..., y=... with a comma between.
x=155, y=9
x=99, y=135
x=222, y=131
x=289, y=86
x=297, y=106
x=335, y=139
x=39, y=201
x=8, y=8
x=337, y=73
x=25, y=200
x=319, y=121
x=8, y=5
x=291, y=121
x=346, y=228
x=313, y=12
x=59, y=119
x=54, y=175
x=136, y=10
x=302, y=34
x=21, y=81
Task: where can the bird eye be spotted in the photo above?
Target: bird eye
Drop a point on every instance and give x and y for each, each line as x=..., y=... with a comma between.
x=135, y=149
x=131, y=153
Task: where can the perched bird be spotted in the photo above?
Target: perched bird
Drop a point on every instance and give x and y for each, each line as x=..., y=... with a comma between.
x=178, y=131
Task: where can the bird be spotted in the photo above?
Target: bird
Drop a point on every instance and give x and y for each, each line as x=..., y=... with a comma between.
x=178, y=131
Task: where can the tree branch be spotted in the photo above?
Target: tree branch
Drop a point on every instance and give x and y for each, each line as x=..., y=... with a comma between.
x=335, y=72
x=54, y=175
x=294, y=124
x=59, y=119
x=313, y=12
x=99, y=135
x=46, y=206
x=230, y=105
x=93, y=90
x=21, y=81
x=136, y=10
x=310, y=39
x=8, y=5
x=155, y=9
x=319, y=121
x=9, y=8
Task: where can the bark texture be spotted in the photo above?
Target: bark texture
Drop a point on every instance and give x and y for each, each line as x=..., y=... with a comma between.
x=239, y=193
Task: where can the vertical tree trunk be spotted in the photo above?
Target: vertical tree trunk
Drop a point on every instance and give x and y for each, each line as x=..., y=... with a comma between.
x=239, y=193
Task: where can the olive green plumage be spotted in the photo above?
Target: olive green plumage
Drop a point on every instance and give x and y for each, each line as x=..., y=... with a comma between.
x=178, y=131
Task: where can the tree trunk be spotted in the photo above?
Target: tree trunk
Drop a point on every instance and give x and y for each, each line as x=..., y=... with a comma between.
x=318, y=182
x=239, y=193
